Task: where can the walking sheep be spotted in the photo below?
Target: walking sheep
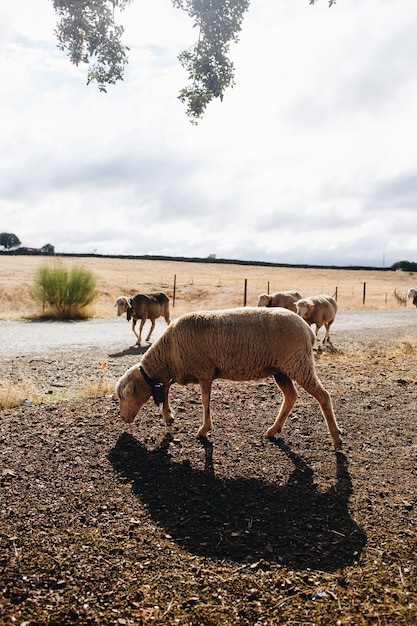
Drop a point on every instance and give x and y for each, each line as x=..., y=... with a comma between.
x=234, y=344
x=319, y=310
x=143, y=307
x=412, y=293
x=286, y=299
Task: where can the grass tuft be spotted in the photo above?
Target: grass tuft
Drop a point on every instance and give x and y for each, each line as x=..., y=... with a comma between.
x=64, y=293
x=13, y=395
x=30, y=392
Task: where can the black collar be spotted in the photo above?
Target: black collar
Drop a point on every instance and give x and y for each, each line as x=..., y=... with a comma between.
x=158, y=393
x=148, y=379
x=129, y=310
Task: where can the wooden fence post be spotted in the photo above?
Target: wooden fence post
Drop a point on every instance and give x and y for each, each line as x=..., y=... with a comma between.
x=175, y=289
x=245, y=292
x=364, y=293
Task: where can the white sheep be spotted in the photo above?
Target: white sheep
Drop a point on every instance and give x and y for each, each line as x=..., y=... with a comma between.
x=234, y=344
x=286, y=299
x=319, y=310
x=412, y=293
x=142, y=307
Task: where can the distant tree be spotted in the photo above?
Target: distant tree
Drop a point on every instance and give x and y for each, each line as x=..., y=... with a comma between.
x=406, y=266
x=9, y=241
x=48, y=248
x=87, y=30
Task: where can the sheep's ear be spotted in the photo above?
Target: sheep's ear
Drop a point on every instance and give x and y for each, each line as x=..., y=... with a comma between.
x=128, y=390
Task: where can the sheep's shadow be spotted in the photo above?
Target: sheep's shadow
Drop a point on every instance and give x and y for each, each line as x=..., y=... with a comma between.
x=135, y=350
x=244, y=519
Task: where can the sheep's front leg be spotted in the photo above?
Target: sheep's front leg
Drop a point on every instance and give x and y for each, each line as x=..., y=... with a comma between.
x=167, y=414
x=151, y=330
x=205, y=386
x=142, y=322
x=290, y=396
x=134, y=329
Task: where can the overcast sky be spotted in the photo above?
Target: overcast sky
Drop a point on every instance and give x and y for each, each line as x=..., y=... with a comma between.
x=310, y=158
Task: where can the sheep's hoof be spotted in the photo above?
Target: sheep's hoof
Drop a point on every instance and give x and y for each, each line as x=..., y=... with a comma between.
x=202, y=434
x=206, y=443
x=270, y=434
x=337, y=444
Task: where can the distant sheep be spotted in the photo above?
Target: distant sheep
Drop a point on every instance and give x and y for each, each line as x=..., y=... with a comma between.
x=235, y=344
x=412, y=293
x=142, y=307
x=286, y=299
x=319, y=310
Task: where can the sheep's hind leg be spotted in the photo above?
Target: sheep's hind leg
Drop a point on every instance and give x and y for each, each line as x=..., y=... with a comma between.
x=207, y=426
x=290, y=397
x=327, y=335
x=316, y=389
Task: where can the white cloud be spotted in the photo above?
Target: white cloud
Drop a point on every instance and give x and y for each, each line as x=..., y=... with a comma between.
x=310, y=158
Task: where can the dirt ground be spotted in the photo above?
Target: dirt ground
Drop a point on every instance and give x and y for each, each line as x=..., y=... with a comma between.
x=103, y=523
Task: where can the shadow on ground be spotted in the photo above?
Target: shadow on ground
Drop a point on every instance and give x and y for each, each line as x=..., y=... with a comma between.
x=244, y=519
x=134, y=350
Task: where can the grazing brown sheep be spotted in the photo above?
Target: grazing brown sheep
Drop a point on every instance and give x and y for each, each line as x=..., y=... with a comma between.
x=234, y=344
x=286, y=299
x=319, y=310
x=142, y=307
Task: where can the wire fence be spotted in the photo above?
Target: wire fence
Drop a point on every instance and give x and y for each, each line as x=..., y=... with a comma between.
x=218, y=293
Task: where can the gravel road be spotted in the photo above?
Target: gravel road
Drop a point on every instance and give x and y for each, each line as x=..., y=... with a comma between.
x=27, y=338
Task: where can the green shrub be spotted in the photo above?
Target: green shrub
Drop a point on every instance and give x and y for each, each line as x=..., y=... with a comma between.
x=65, y=292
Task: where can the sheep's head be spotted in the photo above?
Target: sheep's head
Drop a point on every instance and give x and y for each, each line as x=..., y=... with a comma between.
x=304, y=307
x=122, y=305
x=133, y=392
x=264, y=299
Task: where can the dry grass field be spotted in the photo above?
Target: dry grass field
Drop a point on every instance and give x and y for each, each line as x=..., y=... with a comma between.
x=201, y=285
